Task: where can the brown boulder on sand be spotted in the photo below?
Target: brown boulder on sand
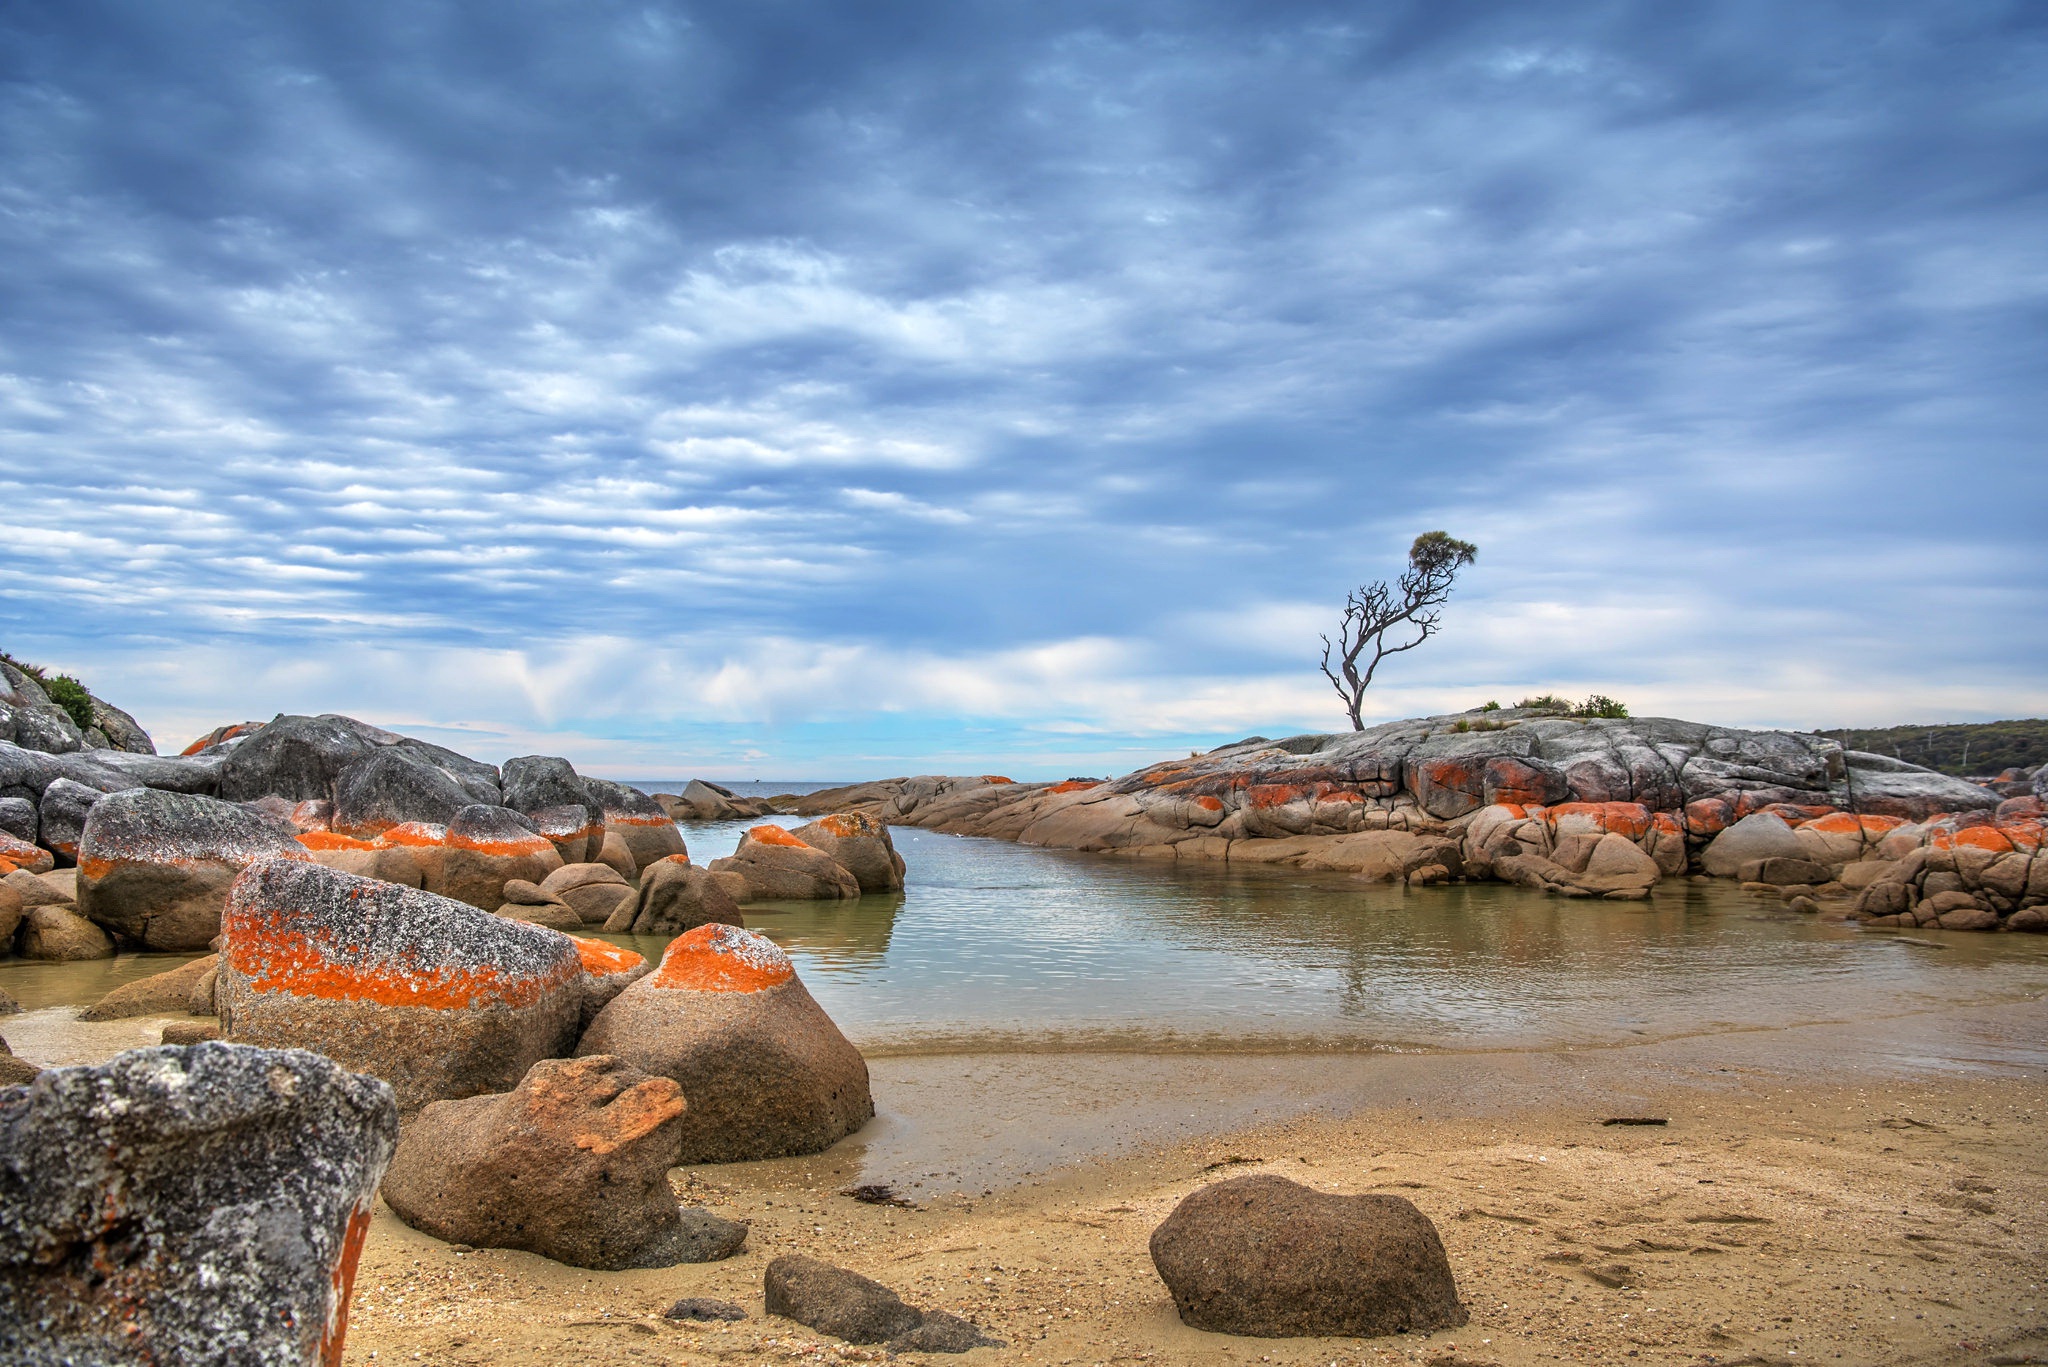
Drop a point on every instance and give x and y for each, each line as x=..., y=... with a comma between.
x=56, y=931
x=1264, y=1256
x=767, y=1072
x=169, y=993
x=779, y=867
x=437, y=998
x=571, y=1164
x=594, y=890
x=859, y=844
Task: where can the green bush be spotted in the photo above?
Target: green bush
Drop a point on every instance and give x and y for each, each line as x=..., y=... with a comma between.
x=1600, y=705
x=1491, y=706
x=1546, y=701
x=69, y=694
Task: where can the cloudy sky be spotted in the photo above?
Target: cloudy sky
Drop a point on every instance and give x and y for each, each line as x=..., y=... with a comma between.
x=783, y=390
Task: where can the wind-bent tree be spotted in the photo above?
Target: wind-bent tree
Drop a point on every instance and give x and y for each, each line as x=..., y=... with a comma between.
x=1373, y=610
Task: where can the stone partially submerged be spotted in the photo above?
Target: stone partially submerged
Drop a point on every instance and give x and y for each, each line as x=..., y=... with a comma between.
x=776, y=866
x=198, y=1206
x=439, y=999
x=766, y=1071
x=859, y=844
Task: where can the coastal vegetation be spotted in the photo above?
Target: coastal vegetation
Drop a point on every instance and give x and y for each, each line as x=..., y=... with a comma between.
x=1961, y=749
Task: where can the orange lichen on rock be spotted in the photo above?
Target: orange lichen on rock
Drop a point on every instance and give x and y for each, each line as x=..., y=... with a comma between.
x=996, y=778
x=1629, y=819
x=332, y=1337
x=1852, y=823
x=415, y=835
x=1209, y=804
x=774, y=835
x=1708, y=816
x=634, y=819
x=1262, y=795
x=333, y=840
x=638, y=1111
x=275, y=959
x=511, y=847
x=1075, y=785
x=720, y=958
x=601, y=958
x=1999, y=839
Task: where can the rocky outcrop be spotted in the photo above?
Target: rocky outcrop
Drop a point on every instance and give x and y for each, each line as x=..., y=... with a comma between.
x=647, y=830
x=1961, y=875
x=486, y=848
x=439, y=999
x=201, y=1205
x=155, y=867
x=1264, y=1256
x=776, y=866
x=548, y=790
x=596, y=891
x=766, y=1071
x=572, y=1164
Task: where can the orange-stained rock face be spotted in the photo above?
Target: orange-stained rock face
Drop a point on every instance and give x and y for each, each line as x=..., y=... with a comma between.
x=995, y=778
x=1265, y=795
x=333, y=1338
x=330, y=840
x=600, y=958
x=415, y=835
x=1999, y=839
x=1708, y=816
x=717, y=958
x=774, y=835
x=509, y=846
x=634, y=819
x=1209, y=804
x=1074, y=785
x=1852, y=823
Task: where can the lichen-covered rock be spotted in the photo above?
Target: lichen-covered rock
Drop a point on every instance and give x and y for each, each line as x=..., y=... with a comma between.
x=436, y=997
x=18, y=819
x=645, y=826
x=607, y=971
x=486, y=848
x=60, y=816
x=390, y=787
x=571, y=1164
x=767, y=1072
x=675, y=896
x=202, y=1206
x=161, y=994
x=294, y=758
x=594, y=890
x=56, y=931
x=859, y=844
x=1264, y=1256
x=392, y=863
x=547, y=784
x=25, y=855
x=780, y=867
x=155, y=867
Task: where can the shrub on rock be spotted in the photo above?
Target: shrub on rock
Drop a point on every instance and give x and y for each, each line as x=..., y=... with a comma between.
x=780, y=867
x=1264, y=1256
x=767, y=1072
x=202, y=1206
x=676, y=896
x=571, y=1164
x=155, y=867
x=438, y=998
x=859, y=844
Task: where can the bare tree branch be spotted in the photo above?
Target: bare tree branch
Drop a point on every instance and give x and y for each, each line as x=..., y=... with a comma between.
x=1372, y=610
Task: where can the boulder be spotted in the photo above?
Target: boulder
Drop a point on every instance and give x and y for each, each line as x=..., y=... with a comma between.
x=779, y=867
x=675, y=896
x=834, y=1301
x=161, y=994
x=15, y=1072
x=378, y=859
x=607, y=971
x=859, y=844
x=294, y=758
x=1264, y=1256
x=155, y=867
x=390, y=787
x=61, y=816
x=596, y=891
x=171, y=773
x=202, y=1206
x=488, y=847
x=767, y=1072
x=190, y=1031
x=1780, y=872
x=550, y=913
x=1760, y=835
x=18, y=819
x=642, y=824
x=34, y=890
x=25, y=855
x=547, y=783
x=701, y=801
x=436, y=997
x=572, y=1164
x=617, y=856
x=56, y=931
x=12, y=909
x=124, y=734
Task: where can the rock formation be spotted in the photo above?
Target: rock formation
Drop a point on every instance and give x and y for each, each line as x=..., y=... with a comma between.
x=155, y=867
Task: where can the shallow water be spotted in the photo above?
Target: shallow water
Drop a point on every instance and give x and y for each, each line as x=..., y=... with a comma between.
x=998, y=947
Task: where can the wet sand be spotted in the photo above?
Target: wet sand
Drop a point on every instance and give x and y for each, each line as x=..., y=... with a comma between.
x=1869, y=1192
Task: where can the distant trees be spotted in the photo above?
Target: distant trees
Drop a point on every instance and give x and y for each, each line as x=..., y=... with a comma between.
x=1409, y=609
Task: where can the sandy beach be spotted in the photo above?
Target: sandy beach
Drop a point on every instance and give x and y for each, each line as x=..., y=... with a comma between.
x=1844, y=1193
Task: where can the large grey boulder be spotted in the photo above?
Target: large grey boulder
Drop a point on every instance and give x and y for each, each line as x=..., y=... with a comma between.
x=537, y=784
x=1760, y=835
x=1264, y=1256
x=155, y=867
x=292, y=757
x=171, y=773
x=645, y=826
x=1885, y=786
x=18, y=818
x=124, y=734
x=390, y=787
x=61, y=816
x=202, y=1206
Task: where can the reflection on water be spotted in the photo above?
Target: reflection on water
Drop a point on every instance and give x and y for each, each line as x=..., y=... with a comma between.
x=998, y=946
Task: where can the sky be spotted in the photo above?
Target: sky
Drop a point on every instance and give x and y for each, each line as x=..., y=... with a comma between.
x=805, y=390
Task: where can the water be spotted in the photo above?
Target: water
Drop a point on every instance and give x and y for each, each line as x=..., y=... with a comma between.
x=1000, y=947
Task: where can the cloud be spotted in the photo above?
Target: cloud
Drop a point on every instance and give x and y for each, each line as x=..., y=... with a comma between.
x=798, y=367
